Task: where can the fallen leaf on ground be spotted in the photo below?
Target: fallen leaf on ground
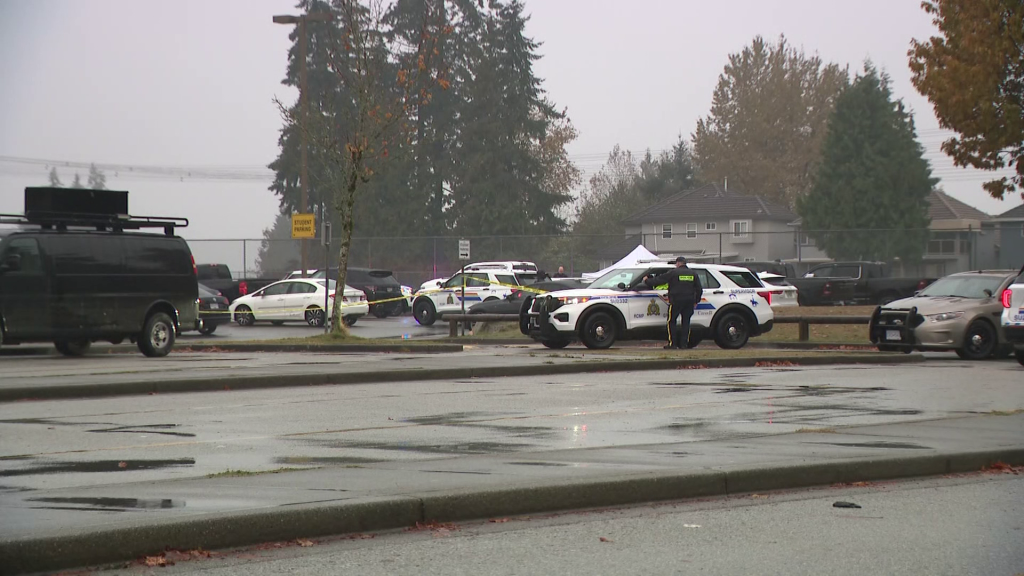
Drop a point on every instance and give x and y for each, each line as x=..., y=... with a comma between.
x=304, y=543
x=603, y=539
x=758, y=495
x=154, y=561
x=122, y=464
x=1000, y=467
x=498, y=520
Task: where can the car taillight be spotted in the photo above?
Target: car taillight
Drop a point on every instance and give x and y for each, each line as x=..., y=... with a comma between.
x=331, y=296
x=922, y=284
x=1007, y=296
x=371, y=288
x=767, y=296
x=243, y=288
x=195, y=271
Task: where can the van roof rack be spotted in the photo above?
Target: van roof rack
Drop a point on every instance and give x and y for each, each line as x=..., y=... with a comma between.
x=58, y=208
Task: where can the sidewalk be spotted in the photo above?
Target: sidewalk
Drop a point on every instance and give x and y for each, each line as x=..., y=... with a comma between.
x=54, y=529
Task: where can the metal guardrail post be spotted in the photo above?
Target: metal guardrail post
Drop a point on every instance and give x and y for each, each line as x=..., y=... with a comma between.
x=805, y=331
x=453, y=328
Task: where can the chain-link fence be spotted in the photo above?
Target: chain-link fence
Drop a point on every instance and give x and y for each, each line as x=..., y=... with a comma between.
x=417, y=259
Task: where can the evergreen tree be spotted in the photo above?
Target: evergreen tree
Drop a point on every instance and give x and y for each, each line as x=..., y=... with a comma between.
x=500, y=185
x=670, y=173
x=97, y=180
x=77, y=182
x=873, y=176
x=55, y=179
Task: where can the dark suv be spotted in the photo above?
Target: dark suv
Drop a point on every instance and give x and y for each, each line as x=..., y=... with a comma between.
x=76, y=273
x=379, y=286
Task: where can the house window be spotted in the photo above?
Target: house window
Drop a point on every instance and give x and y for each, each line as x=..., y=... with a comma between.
x=691, y=230
x=740, y=228
x=710, y=226
x=666, y=230
x=942, y=243
x=805, y=240
x=748, y=259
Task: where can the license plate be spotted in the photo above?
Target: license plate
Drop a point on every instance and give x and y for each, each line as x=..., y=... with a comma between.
x=893, y=335
x=214, y=306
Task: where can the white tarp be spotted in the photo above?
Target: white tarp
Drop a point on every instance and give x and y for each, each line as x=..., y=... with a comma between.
x=629, y=261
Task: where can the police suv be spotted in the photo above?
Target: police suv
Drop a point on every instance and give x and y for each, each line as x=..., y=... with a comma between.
x=735, y=306
x=1013, y=315
x=484, y=281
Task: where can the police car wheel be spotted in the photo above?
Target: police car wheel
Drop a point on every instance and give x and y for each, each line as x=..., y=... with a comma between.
x=732, y=331
x=555, y=344
x=424, y=312
x=599, y=331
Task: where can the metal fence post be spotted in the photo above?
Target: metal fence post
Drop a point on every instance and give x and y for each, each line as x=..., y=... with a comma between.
x=245, y=261
x=721, y=258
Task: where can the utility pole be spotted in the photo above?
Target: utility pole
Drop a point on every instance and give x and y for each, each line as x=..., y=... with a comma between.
x=304, y=108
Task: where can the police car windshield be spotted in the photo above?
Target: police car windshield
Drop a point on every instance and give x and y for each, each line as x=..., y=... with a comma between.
x=612, y=279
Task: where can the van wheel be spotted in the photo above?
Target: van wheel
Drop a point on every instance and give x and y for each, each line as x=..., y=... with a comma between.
x=244, y=316
x=157, y=337
x=315, y=316
x=555, y=344
x=206, y=330
x=424, y=312
x=72, y=347
x=599, y=331
x=732, y=331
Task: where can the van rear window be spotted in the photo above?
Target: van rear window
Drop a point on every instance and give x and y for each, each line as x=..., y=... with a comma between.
x=156, y=256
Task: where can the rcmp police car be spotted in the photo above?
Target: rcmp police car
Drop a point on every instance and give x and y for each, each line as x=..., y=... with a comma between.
x=735, y=306
x=484, y=281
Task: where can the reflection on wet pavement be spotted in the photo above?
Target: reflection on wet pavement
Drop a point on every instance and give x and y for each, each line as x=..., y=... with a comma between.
x=109, y=504
x=62, y=467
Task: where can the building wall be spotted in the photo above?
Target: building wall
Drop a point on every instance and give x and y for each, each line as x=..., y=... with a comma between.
x=765, y=240
x=1011, y=245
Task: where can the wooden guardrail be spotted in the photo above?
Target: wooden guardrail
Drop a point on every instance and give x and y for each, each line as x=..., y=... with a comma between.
x=804, y=322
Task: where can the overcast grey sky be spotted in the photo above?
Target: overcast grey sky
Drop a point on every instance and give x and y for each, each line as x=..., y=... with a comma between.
x=187, y=86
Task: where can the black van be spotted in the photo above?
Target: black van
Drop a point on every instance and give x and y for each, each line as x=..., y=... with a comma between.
x=78, y=272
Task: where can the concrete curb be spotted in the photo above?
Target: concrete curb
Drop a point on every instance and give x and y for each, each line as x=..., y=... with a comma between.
x=221, y=383
x=249, y=528
x=432, y=348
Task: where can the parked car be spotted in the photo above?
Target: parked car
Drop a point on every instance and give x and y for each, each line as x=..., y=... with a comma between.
x=777, y=268
x=218, y=277
x=299, y=299
x=854, y=283
x=956, y=313
x=784, y=294
x=1013, y=315
x=735, y=306
x=382, y=290
x=512, y=303
x=213, y=310
x=484, y=281
x=78, y=271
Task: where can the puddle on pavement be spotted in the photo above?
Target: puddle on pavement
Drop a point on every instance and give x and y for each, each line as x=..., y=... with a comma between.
x=49, y=422
x=471, y=472
x=452, y=418
x=161, y=429
x=905, y=445
x=538, y=463
x=109, y=504
x=326, y=460
x=454, y=448
x=64, y=467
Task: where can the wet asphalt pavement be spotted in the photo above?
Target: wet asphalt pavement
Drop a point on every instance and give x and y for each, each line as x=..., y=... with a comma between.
x=77, y=443
x=366, y=327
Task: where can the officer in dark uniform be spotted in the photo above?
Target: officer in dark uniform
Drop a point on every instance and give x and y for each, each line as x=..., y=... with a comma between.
x=684, y=293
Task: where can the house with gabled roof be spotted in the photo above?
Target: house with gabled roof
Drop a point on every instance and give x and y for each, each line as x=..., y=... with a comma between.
x=713, y=224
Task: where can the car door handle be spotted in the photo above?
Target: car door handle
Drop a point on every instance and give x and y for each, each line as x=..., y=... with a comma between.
x=718, y=292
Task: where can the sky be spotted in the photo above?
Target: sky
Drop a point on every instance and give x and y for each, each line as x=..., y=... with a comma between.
x=184, y=90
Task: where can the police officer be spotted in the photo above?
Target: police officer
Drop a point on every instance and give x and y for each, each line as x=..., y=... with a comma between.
x=684, y=293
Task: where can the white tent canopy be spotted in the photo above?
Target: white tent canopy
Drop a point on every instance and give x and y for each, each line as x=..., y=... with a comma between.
x=629, y=261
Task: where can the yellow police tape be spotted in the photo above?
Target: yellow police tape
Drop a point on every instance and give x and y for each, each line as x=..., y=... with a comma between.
x=455, y=289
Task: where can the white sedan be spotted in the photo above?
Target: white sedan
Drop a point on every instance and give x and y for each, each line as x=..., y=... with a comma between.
x=783, y=294
x=298, y=299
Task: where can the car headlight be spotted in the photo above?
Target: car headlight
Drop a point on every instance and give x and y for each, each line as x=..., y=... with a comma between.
x=574, y=299
x=944, y=316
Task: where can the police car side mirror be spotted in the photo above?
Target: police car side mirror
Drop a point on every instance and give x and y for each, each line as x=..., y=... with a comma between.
x=11, y=264
x=620, y=286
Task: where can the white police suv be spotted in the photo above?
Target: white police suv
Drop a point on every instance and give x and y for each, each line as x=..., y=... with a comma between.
x=484, y=281
x=735, y=306
x=1013, y=316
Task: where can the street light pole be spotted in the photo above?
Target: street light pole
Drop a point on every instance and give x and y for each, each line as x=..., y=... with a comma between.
x=304, y=110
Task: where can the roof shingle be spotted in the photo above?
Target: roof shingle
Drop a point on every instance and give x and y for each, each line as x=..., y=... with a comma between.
x=942, y=206
x=711, y=202
x=1017, y=212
